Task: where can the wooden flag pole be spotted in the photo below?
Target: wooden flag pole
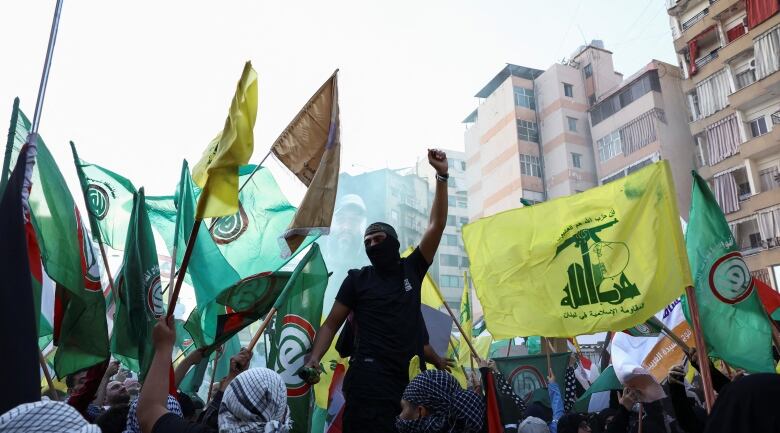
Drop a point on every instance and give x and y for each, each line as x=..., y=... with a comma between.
x=509, y=346
x=108, y=271
x=213, y=373
x=184, y=263
x=604, y=358
x=460, y=328
x=550, y=349
x=45, y=368
x=701, y=352
x=641, y=414
x=260, y=331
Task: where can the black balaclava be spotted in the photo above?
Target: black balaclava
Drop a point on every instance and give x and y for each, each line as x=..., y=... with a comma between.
x=384, y=255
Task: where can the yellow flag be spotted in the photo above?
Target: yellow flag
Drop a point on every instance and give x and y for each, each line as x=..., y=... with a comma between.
x=217, y=171
x=481, y=345
x=465, y=307
x=429, y=292
x=606, y=259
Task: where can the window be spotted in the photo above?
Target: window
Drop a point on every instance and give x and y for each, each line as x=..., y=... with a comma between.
x=572, y=124
x=527, y=131
x=393, y=215
x=530, y=166
x=463, y=165
x=746, y=78
x=576, y=160
x=767, y=178
x=588, y=70
x=451, y=201
x=451, y=281
x=464, y=220
x=525, y=98
x=533, y=196
x=615, y=176
x=451, y=240
x=464, y=262
x=450, y=220
x=609, y=146
x=449, y=260
x=568, y=90
x=629, y=94
x=463, y=203
x=758, y=126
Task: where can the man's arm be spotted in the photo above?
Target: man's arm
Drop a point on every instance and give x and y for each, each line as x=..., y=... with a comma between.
x=153, y=402
x=323, y=339
x=112, y=369
x=433, y=358
x=184, y=366
x=430, y=240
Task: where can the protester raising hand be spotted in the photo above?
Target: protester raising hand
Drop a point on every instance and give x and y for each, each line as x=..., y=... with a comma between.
x=628, y=398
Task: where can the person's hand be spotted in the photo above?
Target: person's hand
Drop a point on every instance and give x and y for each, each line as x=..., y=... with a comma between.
x=492, y=365
x=311, y=362
x=196, y=356
x=484, y=363
x=677, y=375
x=628, y=398
x=438, y=160
x=550, y=376
x=240, y=362
x=113, y=368
x=164, y=333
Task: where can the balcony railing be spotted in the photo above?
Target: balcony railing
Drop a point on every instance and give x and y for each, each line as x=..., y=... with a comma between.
x=695, y=19
x=776, y=118
x=700, y=62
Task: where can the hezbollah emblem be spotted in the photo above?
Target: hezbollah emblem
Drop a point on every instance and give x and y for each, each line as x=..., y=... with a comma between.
x=97, y=201
x=730, y=279
x=600, y=277
x=154, y=299
x=229, y=228
x=526, y=379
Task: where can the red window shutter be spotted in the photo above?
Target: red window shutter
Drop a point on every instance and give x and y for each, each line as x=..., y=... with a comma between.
x=735, y=32
x=759, y=11
x=693, y=52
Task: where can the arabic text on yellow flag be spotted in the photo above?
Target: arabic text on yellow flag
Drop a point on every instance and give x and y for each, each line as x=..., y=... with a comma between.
x=217, y=170
x=310, y=147
x=605, y=259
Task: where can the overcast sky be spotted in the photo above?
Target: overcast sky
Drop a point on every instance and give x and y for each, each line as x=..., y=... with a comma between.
x=140, y=85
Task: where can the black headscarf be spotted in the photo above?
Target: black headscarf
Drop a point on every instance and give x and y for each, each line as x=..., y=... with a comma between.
x=570, y=423
x=749, y=405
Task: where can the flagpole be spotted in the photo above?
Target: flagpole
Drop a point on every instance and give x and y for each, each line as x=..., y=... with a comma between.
x=701, y=349
x=46, y=374
x=604, y=359
x=55, y=24
x=184, y=263
x=460, y=328
x=260, y=331
x=213, y=373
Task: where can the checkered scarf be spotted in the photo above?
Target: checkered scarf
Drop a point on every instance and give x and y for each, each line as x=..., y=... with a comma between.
x=132, y=417
x=452, y=409
x=255, y=401
x=45, y=417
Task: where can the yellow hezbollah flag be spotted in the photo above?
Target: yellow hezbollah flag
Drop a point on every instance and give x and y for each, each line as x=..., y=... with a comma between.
x=465, y=307
x=217, y=170
x=605, y=259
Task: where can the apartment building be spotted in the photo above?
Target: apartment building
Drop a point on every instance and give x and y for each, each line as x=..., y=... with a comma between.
x=451, y=260
x=538, y=135
x=642, y=121
x=729, y=52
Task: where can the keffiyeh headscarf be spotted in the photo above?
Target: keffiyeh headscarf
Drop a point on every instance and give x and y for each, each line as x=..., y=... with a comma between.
x=132, y=416
x=452, y=409
x=45, y=417
x=255, y=401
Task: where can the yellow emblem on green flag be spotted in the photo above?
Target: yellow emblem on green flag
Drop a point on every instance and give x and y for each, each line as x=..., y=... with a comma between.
x=217, y=170
x=605, y=259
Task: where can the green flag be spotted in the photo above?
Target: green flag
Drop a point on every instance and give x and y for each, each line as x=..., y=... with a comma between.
x=734, y=324
x=606, y=381
x=297, y=321
x=527, y=374
x=647, y=329
x=109, y=200
x=140, y=294
x=66, y=251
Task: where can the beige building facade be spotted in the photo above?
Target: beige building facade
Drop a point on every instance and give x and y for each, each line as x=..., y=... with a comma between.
x=729, y=52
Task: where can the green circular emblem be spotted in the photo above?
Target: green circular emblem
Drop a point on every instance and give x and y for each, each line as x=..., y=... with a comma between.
x=97, y=200
x=730, y=279
x=525, y=380
x=229, y=228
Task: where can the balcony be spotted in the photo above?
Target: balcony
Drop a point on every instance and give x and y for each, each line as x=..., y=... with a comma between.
x=695, y=19
x=754, y=148
x=755, y=203
x=697, y=126
x=718, y=7
x=763, y=90
x=763, y=259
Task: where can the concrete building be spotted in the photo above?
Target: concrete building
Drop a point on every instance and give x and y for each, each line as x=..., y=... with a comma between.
x=451, y=260
x=729, y=51
x=642, y=121
x=536, y=134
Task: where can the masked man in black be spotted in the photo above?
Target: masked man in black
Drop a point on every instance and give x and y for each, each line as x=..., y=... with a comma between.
x=388, y=327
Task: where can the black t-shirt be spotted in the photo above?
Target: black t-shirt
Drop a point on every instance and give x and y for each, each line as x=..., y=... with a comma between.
x=386, y=308
x=172, y=423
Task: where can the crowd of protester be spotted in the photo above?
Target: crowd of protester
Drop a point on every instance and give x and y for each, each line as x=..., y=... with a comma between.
x=255, y=400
